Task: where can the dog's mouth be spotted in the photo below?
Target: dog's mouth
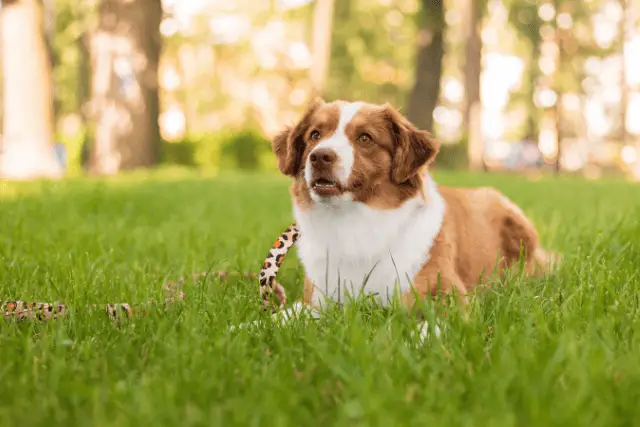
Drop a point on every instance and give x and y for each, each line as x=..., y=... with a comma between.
x=325, y=187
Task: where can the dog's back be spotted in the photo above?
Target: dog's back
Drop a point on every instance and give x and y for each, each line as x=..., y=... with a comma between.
x=485, y=230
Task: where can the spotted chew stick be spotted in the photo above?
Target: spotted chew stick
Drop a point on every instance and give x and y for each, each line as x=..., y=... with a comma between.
x=19, y=309
x=271, y=265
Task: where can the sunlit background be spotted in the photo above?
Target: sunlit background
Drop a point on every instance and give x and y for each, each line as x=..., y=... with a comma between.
x=558, y=82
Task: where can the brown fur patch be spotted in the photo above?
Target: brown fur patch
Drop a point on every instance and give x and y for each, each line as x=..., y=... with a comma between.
x=482, y=234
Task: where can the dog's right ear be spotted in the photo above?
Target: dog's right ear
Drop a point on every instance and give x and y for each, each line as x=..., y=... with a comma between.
x=289, y=144
x=280, y=149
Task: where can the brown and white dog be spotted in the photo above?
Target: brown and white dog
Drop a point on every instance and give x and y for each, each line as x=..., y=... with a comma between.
x=372, y=220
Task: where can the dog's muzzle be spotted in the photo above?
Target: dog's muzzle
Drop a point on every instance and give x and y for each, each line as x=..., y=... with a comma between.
x=324, y=182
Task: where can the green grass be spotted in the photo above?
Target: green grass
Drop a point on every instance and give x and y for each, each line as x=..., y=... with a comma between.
x=562, y=351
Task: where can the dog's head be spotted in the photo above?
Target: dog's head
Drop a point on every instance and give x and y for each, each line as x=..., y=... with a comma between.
x=343, y=151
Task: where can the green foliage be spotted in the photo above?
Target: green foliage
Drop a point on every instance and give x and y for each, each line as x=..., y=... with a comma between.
x=523, y=16
x=73, y=20
x=561, y=351
x=245, y=149
x=431, y=15
x=575, y=49
x=180, y=152
x=373, y=47
x=452, y=156
x=74, y=146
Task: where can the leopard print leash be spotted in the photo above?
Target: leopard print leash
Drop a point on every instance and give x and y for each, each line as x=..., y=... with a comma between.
x=19, y=309
x=268, y=282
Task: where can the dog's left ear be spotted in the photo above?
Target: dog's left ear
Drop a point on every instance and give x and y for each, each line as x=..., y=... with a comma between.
x=413, y=148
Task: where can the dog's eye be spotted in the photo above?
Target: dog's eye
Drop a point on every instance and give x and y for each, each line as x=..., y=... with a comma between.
x=365, y=138
x=315, y=135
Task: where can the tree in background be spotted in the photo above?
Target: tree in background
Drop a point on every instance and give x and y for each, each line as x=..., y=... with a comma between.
x=625, y=27
x=342, y=61
x=69, y=44
x=249, y=66
x=27, y=145
x=321, y=44
x=623, y=31
x=472, y=70
x=426, y=89
x=559, y=37
x=124, y=107
x=573, y=48
x=523, y=16
x=372, y=55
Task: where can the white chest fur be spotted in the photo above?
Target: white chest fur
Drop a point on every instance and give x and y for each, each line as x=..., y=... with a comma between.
x=349, y=248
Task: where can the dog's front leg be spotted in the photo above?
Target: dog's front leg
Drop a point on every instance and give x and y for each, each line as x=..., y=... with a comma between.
x=298, y=310
x=433, y=281
x=310, y=304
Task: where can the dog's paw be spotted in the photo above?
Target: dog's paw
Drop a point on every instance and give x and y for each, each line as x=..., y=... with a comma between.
x=423, y=332
x=420, y=335
x=245, y=326
x=281, y=318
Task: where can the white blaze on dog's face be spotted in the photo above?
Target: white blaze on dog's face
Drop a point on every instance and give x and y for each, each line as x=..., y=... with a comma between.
x=341, y=152
x=329, y=164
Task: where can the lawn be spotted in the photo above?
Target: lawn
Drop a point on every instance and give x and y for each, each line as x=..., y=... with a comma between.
x=562, y=351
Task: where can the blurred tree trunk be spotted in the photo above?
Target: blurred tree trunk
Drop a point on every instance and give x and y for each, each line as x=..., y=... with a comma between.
x=124, y=106
x=625, y=29
x=624, y=88
x=532, y=73
x=321, y=44
x=426, y=89
x=472, y=71
x=342, y=67
x=84, y=93
x=27, y=146
x=556, y=110
x=49, y=31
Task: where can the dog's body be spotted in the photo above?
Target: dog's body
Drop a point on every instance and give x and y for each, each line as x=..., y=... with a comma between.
x=340, y=248
x=372, y=221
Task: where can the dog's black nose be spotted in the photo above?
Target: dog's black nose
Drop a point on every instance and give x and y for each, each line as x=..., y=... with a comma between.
x=323, y=157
